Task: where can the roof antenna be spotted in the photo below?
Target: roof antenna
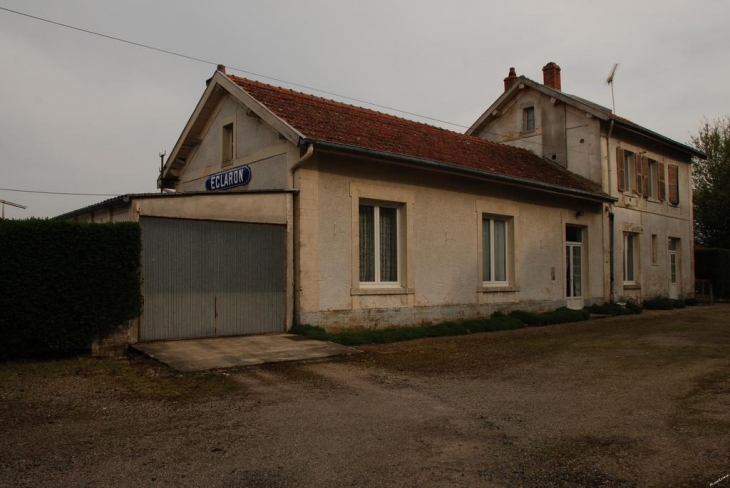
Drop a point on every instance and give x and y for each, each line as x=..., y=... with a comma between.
x=609, y=81
x=5, y=202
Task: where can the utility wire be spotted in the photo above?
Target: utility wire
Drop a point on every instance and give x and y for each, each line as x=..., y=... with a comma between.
x=252, y=73
x=240, y=70
x=64, y=193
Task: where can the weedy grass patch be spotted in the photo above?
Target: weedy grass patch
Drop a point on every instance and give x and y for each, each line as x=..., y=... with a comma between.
x=498, y=321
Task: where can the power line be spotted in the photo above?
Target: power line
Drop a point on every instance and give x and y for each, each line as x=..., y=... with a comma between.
x=252, y=73
x=240, y=70
x=64, y=193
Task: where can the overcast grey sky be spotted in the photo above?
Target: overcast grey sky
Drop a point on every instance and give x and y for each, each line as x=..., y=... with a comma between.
x=89, y=115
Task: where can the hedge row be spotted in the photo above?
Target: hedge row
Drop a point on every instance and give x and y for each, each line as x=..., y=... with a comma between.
x=664, y=303
x=614, y=309
x=497, y=321
x=64, y=283
x=714, y=265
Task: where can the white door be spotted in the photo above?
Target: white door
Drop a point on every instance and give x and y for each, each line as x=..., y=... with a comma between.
x=574, y=267
x=673, y=268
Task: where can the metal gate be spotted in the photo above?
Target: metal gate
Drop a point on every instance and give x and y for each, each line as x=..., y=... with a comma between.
x=205, y=279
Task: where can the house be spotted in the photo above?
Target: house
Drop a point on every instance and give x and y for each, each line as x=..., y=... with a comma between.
x=284, y=207
x=650, y=237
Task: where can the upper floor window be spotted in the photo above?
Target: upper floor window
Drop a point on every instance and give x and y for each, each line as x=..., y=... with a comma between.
x=227, y=144
x=673, y=183
x=626, y=166
x=529, y=119
x=653, y=179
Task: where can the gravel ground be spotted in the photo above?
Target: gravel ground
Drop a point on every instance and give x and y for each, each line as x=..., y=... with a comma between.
x=613, y=402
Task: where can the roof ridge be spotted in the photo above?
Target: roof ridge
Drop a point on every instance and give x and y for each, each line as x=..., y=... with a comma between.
x=337, y=102
x=378, y=113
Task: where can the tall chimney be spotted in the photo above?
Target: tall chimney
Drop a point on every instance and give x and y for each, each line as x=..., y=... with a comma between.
x=551, y=75
x=221, y=68
x=510, y=80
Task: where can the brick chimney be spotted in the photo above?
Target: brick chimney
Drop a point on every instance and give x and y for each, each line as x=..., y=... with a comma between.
x=510, y=80
x=551, y=75
x=220, y=68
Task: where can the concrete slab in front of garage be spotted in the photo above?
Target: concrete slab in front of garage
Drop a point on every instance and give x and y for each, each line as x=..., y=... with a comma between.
x=231, y=352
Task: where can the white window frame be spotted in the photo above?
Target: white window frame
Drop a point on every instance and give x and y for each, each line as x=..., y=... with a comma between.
x=489, y=280
x=634, y=279
x=376, y=246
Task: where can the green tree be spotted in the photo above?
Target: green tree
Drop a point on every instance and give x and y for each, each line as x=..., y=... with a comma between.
x=711, y=183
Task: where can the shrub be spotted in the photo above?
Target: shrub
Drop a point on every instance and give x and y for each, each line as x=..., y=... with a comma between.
x=679, y=303
x=559, y=316
x=62, y=284
x=659, y=303
x=529, y=318
x=694, y=301
x=634, y=307
x=563, y=315
x=714, y=265
x=614, y=309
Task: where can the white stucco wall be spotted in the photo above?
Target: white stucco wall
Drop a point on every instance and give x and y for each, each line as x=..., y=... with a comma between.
x=257, y=145
x=440, y=266
x=649, y=216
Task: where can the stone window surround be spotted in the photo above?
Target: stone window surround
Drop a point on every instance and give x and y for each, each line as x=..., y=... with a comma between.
x=404, y=200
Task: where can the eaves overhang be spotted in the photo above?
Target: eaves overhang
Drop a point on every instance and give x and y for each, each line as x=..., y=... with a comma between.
x=461, y=170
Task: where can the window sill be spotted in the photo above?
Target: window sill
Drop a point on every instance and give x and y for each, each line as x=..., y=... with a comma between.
x=381, y=291
x=497, y=289
x=632, y=287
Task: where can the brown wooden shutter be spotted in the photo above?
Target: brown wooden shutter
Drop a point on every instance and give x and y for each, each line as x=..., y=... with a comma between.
x=673, y=177
x=662, y=185
x=645, y=172
x=639, y=175
x=620, y=172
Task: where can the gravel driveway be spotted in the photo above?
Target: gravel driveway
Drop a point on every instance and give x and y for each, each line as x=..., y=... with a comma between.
x=613, y=402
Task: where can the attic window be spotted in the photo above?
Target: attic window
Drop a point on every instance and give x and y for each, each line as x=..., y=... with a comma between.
x=529, y=119
x=227, y=144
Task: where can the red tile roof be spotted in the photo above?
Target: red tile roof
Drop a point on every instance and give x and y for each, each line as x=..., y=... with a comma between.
x=319, y=119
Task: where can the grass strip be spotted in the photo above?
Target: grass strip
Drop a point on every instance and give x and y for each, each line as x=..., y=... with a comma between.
x=496, y=322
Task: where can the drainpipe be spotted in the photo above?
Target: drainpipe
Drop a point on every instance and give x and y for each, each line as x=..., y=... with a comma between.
x=612, y=260
x=611, y=228
x=295, y=230
x=303, y=159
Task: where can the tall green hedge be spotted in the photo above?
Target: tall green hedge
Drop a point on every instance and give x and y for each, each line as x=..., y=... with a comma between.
x=714, y=265
x=64, y=283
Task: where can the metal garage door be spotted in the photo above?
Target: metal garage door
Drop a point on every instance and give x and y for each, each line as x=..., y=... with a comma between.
x=206, y=279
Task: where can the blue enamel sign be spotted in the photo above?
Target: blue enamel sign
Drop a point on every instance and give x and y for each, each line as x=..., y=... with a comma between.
x=228, y=179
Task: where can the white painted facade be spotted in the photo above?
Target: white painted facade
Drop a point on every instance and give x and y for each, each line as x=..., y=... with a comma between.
x=553, y=246
x=584, y=138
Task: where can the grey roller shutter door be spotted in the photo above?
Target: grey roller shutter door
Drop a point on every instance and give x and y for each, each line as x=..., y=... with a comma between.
x=208, y=278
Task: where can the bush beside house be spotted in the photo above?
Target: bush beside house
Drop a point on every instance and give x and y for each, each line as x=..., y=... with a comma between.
x=714, y=265
x=64, y=284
